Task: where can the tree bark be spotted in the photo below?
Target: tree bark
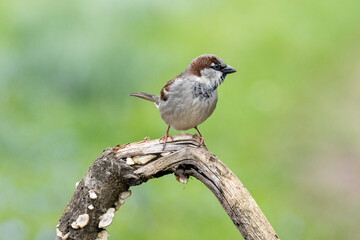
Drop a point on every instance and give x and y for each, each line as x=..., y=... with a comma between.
x=106, y=186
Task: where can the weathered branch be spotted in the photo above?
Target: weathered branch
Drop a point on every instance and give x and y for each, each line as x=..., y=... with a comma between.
x=106, y=186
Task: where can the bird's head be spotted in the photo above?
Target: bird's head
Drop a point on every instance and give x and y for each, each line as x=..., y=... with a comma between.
x=209, y=69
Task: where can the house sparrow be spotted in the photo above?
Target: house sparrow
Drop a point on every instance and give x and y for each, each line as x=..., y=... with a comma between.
x=190, y=98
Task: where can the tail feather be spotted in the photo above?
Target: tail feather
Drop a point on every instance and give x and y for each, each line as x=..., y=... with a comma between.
x=147, y=96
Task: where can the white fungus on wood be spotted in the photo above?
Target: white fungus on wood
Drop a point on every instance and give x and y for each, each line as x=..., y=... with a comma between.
x=74, y=225
x=165, y=154
x=61, y=235
x=66, y=236
x=119, y=203
x=121, y=199
x=125, y=195
x=91, y=207
x=92, y=194
x=81, y=221
x=58, y=233
x=182, y=179
x=76, y=184
x=103, y=235
x=129, y=161
x=106, y=218
x=143, y=159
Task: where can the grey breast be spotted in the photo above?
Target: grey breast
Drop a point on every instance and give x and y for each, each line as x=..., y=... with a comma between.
x=189, y=104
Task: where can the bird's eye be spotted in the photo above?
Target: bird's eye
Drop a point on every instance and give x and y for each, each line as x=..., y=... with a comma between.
x=217, y=66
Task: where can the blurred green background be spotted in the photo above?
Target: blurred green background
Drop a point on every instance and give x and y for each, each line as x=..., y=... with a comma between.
x=287, y=123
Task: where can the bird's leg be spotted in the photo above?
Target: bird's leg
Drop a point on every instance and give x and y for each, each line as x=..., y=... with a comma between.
x=202, y=140
x=165, y=137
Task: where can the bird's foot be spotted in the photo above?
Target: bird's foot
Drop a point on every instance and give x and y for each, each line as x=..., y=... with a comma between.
x=165, y=138
x=202, y=141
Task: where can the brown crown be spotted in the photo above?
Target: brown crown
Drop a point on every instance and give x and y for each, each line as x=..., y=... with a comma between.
x=203, y=61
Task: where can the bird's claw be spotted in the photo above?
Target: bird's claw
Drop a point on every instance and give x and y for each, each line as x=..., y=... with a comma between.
x=202, y=141
x=164, y=138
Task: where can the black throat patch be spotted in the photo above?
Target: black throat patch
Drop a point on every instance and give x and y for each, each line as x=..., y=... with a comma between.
x=202, y=91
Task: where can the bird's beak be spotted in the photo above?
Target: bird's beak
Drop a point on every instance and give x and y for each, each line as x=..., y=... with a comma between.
x=228, y=69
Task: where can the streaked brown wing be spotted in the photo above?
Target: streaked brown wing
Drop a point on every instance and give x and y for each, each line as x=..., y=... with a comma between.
x=165, y=90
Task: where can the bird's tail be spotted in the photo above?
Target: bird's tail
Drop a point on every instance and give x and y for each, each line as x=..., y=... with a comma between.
x=147, y=96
